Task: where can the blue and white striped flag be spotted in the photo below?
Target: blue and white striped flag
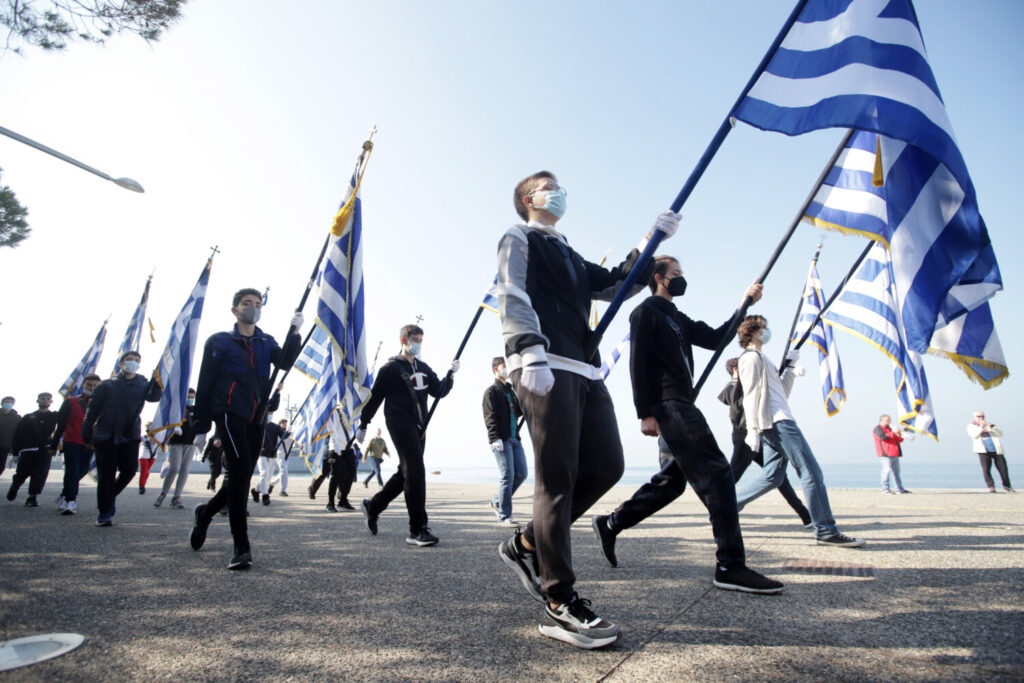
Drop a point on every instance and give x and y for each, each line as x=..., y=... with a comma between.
x=867, y=308
x=303, y=432
x=314, y=358
x=862, y=64
x=339, y=310
x=854, y=199
x=614, y=356
x=175, y=367
x=73, y=384
x=133, y=335
x=490, y=301
x=821, y=337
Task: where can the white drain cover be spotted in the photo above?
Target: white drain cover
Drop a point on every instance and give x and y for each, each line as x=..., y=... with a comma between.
x=35, y=649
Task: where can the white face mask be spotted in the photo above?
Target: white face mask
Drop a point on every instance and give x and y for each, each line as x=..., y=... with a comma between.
x=413, y=348
x=504, y=372
x=130, y=366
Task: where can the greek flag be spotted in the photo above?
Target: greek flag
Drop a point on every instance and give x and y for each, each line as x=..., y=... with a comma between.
x=490, y=301
x=339, y=311
x=614, y=356
x=303, y=432
x=855, y=199
x=175, y=367
x=862, y=64
x=133, y=335
x=73, y=384
x=821, y=337
x=314, y=358
x=867, y=308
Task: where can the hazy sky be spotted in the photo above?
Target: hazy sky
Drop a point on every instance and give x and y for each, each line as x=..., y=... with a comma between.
x=244, y=121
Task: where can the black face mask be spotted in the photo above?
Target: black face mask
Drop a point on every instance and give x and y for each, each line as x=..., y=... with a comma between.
x=677, y=286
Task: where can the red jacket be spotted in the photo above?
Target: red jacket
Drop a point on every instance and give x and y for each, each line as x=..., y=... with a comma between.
x=887, y=442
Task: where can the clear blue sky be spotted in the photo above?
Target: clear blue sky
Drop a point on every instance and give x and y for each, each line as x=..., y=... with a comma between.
x=244, y=121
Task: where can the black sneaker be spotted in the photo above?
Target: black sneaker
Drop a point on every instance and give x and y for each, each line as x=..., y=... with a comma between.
x=312, y=495
x=270, y=489
x=255, y=495
x=242, y=558
x=104, y=520
x=606, y=537
x=266, y=499
x=575, y=623
x=330, y=508
x=12, y=492
x=371, y=520
x=746, y=580
x=31, y=502
x=199, y=527
x=283, y=493
x=423, y=539
x=142, y=490
x=346, y=505
x=841, y=541
x=524, y=564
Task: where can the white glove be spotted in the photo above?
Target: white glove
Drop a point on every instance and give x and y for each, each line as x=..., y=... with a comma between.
x=753, y=440
x=360, y=434
x=538, y=379
x=498, y=447
x=798, y=371
x=297, y=320
x=667, y=222
x=177, y=431
x=455, y=366
x=793, y=356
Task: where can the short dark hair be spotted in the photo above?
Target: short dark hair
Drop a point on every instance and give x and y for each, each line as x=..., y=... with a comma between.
x=496, y=361
x=749, y=328
x=9, y=397
x=731, y=365
x=190, y=391
x=131, y=353
x=410, y=330
x=661, y=265
x=245, y=292
x=524, y=187
x=92, y=376
x=44, y=393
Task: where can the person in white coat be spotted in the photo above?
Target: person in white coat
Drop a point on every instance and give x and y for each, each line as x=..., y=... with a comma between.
x=986, y=443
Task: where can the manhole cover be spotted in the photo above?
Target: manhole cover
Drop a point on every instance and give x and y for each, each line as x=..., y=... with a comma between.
x=35, y=649
x=833, y=568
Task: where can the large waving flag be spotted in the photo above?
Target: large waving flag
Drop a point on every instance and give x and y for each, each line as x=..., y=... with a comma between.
x=867, y=308
x=339, y=311
x=862, y=64
x=314, y=359
x=175, y=367
x=73, y=384
x=133, y=335
x=821, y=337
x=854, y=199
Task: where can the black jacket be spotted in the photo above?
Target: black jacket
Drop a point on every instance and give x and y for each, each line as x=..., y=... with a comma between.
x=732, y=396
x=390, y=385
x=501, y=412
x=8, y=423
x=235, y=374
x=661, y=353
x=114, y=410
x=272, y=435
x=188, y=432
x=212, y=452
x=34, y=431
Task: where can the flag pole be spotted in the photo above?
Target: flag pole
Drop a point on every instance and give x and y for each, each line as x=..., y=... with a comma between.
x=742, y=310
x=448, y=376
x=835, y=295
x=799, y=307
x=691, y=183
x=361, y=161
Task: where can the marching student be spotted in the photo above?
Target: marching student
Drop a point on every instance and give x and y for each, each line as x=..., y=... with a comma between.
x=233, y=379
x=113, y=427
x=147, y=456
x=77, y=454
x=770, y=425
x=9, y=420
x=273, y=434
x=181, y=451
x=213, y=455
x=501, y=418
x=661, y=340
x=402, y=386
x=284, y=451
x=545, y=291
x=31, y=443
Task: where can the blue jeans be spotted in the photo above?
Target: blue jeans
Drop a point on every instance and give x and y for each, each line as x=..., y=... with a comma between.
x=76, y=465
x=375, y=464
x=891, y=466
x=512, y=473
x=784, y=443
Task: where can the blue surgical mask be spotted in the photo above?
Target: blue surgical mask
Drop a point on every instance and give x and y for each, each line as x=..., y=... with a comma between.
x=190, y=401
x=7, y=406
x=554, y=201
x=130, y=366
x=766, y=335
x=413, y=348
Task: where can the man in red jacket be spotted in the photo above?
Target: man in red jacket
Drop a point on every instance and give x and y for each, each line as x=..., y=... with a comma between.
x=77, y=454
x=887, y=445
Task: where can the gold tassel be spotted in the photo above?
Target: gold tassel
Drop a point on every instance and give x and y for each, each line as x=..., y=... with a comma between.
x=876, y=177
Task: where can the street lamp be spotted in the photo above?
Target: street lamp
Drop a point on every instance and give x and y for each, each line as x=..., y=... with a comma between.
x=126, y=183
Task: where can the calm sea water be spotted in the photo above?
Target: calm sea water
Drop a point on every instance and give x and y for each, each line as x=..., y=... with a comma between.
x=915, y=474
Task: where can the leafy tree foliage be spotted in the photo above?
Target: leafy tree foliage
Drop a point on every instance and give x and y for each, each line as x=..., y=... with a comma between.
x=52, y=24
x=13, y=226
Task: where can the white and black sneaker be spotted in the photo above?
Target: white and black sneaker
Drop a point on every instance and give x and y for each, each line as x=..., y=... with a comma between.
x=423, y=539
x=70, y=508
x=575, y=623
x=841, y=541
x=524, y=563
x=242, y=558
x=745, y=580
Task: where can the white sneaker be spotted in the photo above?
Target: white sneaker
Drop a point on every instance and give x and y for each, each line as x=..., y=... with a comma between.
x=509, y=522
x=71, y=508
x=62, y=505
